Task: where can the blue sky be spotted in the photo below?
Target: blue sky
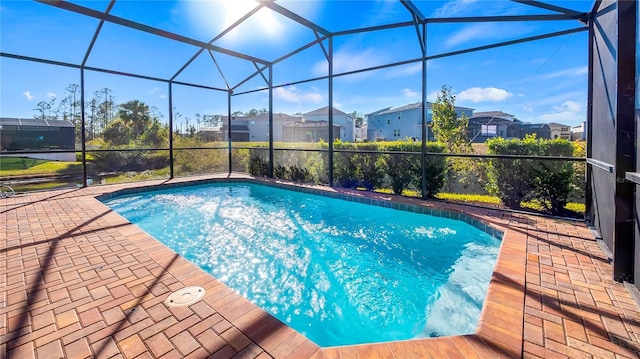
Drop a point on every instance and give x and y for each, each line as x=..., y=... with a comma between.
x=540, y=81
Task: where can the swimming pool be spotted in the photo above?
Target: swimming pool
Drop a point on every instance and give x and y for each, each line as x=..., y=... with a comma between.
x=339, y=272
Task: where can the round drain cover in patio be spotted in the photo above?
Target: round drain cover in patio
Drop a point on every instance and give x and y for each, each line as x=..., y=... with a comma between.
x=184, y=297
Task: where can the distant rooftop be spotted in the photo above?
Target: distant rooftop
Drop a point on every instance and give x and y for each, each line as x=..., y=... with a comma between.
x=492, y=114
x=533, y=125
x=324, y=111
x=410, y=106
x=32, y=122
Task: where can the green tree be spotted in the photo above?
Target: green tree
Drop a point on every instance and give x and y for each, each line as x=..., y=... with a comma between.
x=105, y=108
x=69, y=108
x=118, y=133
x=135, y=115
x=91, y=114
x=446, y=126
x=358, y=117
x=451, y=130
x=42, y=107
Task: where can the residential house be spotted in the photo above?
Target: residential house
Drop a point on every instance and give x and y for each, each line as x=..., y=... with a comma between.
x=361, y=133
x=312, y=127
x=391, y=124
x=314, y=123
x=541, y=130
x=579, y=133
x=211, y=133
x=485, y=125
x=18, y=134
x=559, y=130
x=308, y=131
x=256, y=128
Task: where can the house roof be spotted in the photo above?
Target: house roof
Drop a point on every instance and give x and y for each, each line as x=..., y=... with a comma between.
x=236, y=128
x=324, y=111
x=492, y=114
x=262, y=117
x=486, y=120
x=558, y=124
x=533, y=125
x=408, y=107
x=32, y=122
x=311, y=124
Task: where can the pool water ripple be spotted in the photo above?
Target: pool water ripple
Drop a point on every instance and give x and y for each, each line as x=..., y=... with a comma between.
x=339, y=272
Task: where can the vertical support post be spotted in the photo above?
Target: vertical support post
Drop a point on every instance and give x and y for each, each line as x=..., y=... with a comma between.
x=171, y=174
x=229, y=93
x=83, y=132
x=623, y=248
x=423, y=157
x=270, y=121
x=588, y=198
x=330, y=111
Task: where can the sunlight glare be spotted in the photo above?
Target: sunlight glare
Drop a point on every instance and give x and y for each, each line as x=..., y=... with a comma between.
x=214, y=16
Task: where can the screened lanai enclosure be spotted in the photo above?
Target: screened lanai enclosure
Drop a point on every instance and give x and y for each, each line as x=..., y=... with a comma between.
x=339, y=93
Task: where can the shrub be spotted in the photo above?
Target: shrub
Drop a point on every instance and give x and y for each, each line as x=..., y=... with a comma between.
x=353, y=170
x=400, y=171
x=403, y=169
x=517, y=180
x=299, y=174
x=435, y=167
x=580, y=172
x=280, y=171
x=122, y=161
x=258, y=166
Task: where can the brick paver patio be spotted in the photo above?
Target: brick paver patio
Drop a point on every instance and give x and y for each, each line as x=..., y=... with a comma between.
x=78, y=281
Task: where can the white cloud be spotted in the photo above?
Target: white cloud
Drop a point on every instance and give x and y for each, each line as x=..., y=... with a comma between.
x=408, y=93
x=51, y=94
x=568, y=113
x=432, y=96
x=346, y=60
x=292, y=94
x=574, y=71
x=559, y=98
x=404, y=71
x=156, y=92
x=470, y=32
x=453, y=8
x=572, y=106
x=484, y=94
x=27, y=94
x=487, y=31
x=527, y=108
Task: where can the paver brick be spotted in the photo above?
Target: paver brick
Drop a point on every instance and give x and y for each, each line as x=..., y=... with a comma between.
x=52, y=350
x=132, y=346
x=185, y=342
x=78, y=349
x=555, y=288
x=159, y=344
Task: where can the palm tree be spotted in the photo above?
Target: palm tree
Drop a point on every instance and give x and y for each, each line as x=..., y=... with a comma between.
x=135, y=114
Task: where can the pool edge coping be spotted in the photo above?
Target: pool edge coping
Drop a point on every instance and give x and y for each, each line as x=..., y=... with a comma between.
x=499, y=332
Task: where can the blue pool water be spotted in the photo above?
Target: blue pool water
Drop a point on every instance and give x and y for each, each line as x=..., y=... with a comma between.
x=339, y=272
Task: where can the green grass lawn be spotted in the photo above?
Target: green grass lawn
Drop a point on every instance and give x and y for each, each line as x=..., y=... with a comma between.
x=577, y=208
x=23, y=166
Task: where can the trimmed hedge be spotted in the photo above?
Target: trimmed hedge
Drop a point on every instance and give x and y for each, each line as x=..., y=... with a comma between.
x=515, y=180
x=360, y=170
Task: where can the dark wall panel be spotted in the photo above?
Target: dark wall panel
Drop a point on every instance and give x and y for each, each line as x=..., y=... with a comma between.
x=636, y=271
x=603, y=119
